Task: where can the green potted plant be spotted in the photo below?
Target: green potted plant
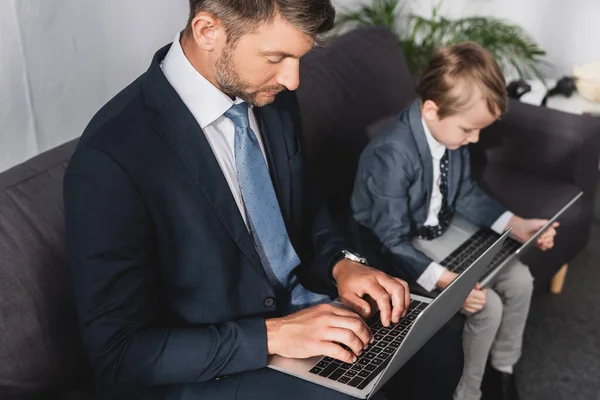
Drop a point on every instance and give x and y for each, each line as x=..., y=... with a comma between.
x=418, y=36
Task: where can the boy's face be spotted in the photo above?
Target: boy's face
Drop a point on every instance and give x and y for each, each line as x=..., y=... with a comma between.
x=459, y=129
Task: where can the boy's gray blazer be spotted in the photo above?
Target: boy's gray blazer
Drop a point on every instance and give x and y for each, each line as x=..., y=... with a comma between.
x=393, y=189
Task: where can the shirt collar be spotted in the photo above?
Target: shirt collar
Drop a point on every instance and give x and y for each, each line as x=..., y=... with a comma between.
x=436, y=148
x=205, y=101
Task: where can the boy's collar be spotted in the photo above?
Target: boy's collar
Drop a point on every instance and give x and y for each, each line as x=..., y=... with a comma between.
x=436, y=148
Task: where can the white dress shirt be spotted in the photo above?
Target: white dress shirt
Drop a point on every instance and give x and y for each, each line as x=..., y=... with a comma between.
x=208, y=105
x=434, y=271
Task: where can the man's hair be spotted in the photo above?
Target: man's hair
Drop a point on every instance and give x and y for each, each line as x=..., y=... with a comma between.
x=456, y=74
x=239, y=17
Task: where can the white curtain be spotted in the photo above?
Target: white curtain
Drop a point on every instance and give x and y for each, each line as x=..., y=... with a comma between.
x=61, y=60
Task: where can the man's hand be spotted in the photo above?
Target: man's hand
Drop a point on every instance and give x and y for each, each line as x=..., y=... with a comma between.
x=523, y=229
x=356, y=281
x=318, y=331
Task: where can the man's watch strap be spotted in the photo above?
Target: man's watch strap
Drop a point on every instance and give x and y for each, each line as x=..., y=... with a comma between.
x=350, y=256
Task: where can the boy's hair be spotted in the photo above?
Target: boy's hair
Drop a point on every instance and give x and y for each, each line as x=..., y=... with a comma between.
x=239, y=17
x=455, y=74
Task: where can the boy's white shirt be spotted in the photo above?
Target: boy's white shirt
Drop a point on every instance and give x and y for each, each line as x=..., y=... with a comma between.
x=434, y=271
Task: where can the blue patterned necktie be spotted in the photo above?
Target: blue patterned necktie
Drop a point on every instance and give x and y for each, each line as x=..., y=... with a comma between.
x=444, y=216
x=263, y=213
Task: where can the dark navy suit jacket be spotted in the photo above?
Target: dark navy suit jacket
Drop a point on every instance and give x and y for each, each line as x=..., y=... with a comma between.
x=393, y=189
x=168, y=284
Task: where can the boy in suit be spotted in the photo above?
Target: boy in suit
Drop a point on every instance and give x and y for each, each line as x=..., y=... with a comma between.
x=415, y=175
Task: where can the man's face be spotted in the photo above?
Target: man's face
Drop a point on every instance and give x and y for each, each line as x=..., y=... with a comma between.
x=262, y=63
x=460, y=129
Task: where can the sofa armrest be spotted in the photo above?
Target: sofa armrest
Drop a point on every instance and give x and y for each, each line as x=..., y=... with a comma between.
x=545, y=142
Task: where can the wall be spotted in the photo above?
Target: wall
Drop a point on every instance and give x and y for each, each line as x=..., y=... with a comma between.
x=567, y=30
x=63, y=59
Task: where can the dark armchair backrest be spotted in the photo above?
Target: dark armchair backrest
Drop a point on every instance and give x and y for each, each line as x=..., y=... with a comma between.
x=40, y=347
x=345, y=87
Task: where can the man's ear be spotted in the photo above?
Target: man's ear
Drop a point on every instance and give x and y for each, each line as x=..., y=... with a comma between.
x=429, y=111
x=207, y=31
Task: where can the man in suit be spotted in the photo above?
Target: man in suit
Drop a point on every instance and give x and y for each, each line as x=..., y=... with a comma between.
x=416, y=174
x=195, y=243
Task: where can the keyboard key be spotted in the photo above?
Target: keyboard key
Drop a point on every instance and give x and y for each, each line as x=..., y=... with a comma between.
x=316, y=370
x=363, y=361
x=322, y=364
x=364, y=374
x=371, y=367
x=377, y=349
x=344, y=379
x=355, y=382
x=327, y=359
x=413, y=304
x=357, y=367
x=376, y=361
x=336, y=374
x=377, y=325
x=389, y=350
x=395, y=344
x=386, y=339
x=378, y=337
x=345, y=366
x=369, y=355
x=383, y=356
x=327, y=371
x=383, y=331
x=350, y=373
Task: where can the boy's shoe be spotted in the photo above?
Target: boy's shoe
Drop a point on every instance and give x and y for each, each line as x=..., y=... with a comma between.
x=498, y=385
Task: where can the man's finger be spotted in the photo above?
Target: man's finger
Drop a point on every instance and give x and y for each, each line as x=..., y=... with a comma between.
x=396, y=291
x=345, y=337
x=354, y=324
x=336, y=351
x=358, y=304
x=382, y=297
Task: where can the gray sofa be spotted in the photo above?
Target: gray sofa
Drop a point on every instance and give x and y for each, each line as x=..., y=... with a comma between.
x=533, y=156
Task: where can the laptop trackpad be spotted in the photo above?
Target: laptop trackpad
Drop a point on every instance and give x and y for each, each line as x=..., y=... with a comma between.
x=438, y=249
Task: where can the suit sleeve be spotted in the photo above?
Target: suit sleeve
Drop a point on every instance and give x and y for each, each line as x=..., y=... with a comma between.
x=111, y=248
x=320, y=240
x=380, y=203
x=472, y=202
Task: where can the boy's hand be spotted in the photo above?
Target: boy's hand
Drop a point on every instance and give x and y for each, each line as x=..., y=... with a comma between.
x=523, y=229
x=476, y=300
x=446, y=278
x=356, y=281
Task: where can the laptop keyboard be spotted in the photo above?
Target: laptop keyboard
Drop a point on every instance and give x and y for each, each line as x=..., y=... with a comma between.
x=474, y=247
x=376, y=357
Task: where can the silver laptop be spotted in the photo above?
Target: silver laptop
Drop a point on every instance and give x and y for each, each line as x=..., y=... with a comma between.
x=463, y=242
x=395, y=345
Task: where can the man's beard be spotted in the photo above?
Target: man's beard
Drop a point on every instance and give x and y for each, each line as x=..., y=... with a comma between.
x=233, y=85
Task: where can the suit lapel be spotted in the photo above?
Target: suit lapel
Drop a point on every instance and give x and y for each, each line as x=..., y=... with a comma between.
x=418, y=132
x=180, y=130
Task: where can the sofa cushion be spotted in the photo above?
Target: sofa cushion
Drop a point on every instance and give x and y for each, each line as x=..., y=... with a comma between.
x=40, y=348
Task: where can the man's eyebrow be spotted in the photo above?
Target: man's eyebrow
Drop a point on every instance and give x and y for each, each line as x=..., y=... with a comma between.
x=278, y=54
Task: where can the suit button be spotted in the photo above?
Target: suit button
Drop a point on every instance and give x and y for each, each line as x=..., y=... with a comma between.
x=269, y=302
